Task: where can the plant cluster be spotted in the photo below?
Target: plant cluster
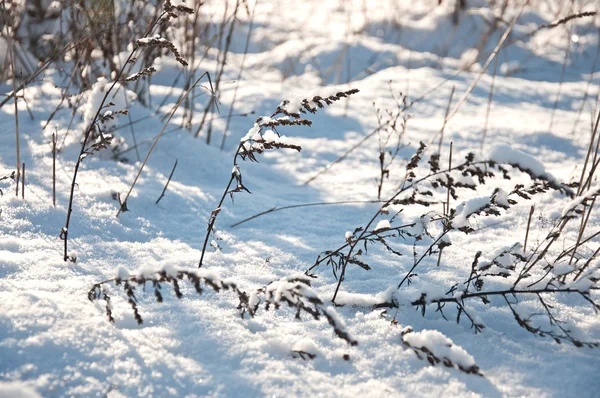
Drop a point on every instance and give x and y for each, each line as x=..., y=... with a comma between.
x=295, y=291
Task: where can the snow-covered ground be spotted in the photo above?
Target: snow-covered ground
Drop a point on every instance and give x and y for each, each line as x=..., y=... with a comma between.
x=55, y=342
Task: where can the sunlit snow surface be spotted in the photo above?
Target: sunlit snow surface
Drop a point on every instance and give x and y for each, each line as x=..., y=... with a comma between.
x=53, y=341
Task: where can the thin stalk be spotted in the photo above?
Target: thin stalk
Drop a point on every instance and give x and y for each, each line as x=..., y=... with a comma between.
x=237, y=84
x=23, y=183
x=489, y=105
x=463, y=99
x=562, y=78
x=54, y=169
x=528, y=225
x=445, y=119
x=213, y=218
x=402, y=189
x=124, y=203
x=276, y=209
x=167, y=184
x=65, y=230
x=16, y=108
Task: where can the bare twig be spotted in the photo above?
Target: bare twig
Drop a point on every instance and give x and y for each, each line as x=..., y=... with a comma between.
x=237, y=84
x=54, y=169
x=528, y=226
x=276, y=209
x=167, y=184
x=124, y=203
x=23, y=182
x=445, y=120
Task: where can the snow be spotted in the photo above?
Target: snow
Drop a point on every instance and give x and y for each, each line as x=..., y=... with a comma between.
x=17, y=390
x=382, y=225
x=55, y=342
x=468, y=208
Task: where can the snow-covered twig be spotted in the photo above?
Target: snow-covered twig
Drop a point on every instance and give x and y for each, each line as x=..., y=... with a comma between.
x=438, y=348
x=295, y=291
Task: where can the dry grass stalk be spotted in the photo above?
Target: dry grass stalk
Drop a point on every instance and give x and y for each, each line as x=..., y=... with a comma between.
x=54, y=169
x=528, y=226
x=123, y=206
x=167, y=184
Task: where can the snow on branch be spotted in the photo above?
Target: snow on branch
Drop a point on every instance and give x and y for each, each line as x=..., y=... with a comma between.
x=157, y=41
x=295, y=291
x=436, y=348
x=505, y=154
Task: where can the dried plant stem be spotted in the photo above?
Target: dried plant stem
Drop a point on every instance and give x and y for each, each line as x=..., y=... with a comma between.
x=183, y=97
x=137, y=153
x=447, y=212
x=403, y=188
x=562, y=78
x=45, y=65
x=584, y=221
x=167, y=184
x=427, y=252
x=64, y=95
x=23, y=182
x=586, y=186
x=65, y=230
x=276, y=209
x=587, y=88
x=489, y=104
x=345, y=245
x=343, y=156
x=213, y=100
x=447, y=206
x=54, y=169
x=213, y=218
x=593, y=138
x=16, y=108
x=445, y=120
x=554, y=24
x=463, y=99
x=237, y=84
x=586, y=265
x=528, y=226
